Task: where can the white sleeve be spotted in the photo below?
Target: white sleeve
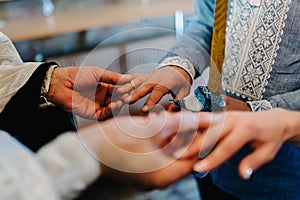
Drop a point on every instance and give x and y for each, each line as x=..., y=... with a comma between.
x=8, y=52
x=13, y=72
x=21, y=175
x=69, y=165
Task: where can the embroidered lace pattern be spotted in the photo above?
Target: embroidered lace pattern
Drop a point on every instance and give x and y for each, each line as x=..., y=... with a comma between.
x=179, y=62
x=253, y=39
x=257, y=106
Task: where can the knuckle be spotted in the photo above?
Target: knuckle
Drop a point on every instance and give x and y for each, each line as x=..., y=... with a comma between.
x=161, y=89
x=137, y=94
x=267, y=157
x=158, y=183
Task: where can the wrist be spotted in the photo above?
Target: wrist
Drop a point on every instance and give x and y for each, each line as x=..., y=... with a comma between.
x=46, y=87
x=179, y=62
x=183, y=72
x=291, y=125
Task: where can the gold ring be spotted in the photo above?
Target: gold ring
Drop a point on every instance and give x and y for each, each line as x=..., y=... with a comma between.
x=132, y=84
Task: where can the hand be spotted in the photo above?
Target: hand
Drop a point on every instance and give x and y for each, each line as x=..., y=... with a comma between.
x=169, y=79
x=130, y=150
x=227, y=133
x=86, y=91
x=235, y=104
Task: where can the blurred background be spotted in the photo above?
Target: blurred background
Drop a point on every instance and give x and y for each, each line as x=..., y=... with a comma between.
x=67, y=30
x=120, y=35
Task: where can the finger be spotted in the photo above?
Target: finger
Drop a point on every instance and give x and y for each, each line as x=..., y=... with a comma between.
x=102, y=93
x=207, y=119
x=104, y=113
x=182, y=135
x=114, y=105
x=129, y=77
x=206, y=139
x=124, y=88
x=139, y=93
x=84, y=107
x=129, y=87
x=191, y=149
x=92, y=109
x=126, y=78
x=155, y=96
x=111, y=107
x=108, y=101
x=179, y=169
x=177, y=123
x=110, y=88
x=188, y=121
x=113, y=77
x=119, y=104
x=256, y=159
x=181, y=94
x=106, y=93
x=123, y=97
x=225, y=149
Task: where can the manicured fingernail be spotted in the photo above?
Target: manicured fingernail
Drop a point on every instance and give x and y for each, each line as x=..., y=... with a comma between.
x=178, y=153
x=248, y=171
x=200, y=167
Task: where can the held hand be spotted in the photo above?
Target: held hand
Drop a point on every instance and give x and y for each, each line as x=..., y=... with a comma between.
x=129, y=149
x=228, y=132
x=86, y=91
x=169, y=79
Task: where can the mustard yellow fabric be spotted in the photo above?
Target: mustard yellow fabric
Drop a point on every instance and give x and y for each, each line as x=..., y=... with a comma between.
x=218, y=46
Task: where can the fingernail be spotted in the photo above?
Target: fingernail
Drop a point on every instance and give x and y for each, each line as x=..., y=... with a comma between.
x=178, y=153
x=125, y=96
x=127, y=99
x=248, y=171
x=145, y=108
x=200, y=167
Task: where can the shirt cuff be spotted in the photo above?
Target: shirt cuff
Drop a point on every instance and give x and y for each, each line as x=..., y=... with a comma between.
x=45, y=88
x=71, y=167
x=179, y=62
x=257, y=106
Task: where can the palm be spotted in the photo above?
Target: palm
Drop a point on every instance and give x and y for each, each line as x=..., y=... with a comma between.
x=86, y=91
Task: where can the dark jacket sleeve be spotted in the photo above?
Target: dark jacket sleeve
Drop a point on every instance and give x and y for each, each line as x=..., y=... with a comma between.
x=28, y=123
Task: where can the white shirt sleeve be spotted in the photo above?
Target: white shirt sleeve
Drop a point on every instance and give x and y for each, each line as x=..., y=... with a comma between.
x=13, y=72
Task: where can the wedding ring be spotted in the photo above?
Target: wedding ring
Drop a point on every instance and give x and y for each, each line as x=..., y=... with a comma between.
x=132, y=85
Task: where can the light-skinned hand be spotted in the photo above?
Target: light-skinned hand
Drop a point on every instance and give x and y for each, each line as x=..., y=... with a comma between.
x=86, y=91
x=130, y=149
x=169, y=79
x=226, y=133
